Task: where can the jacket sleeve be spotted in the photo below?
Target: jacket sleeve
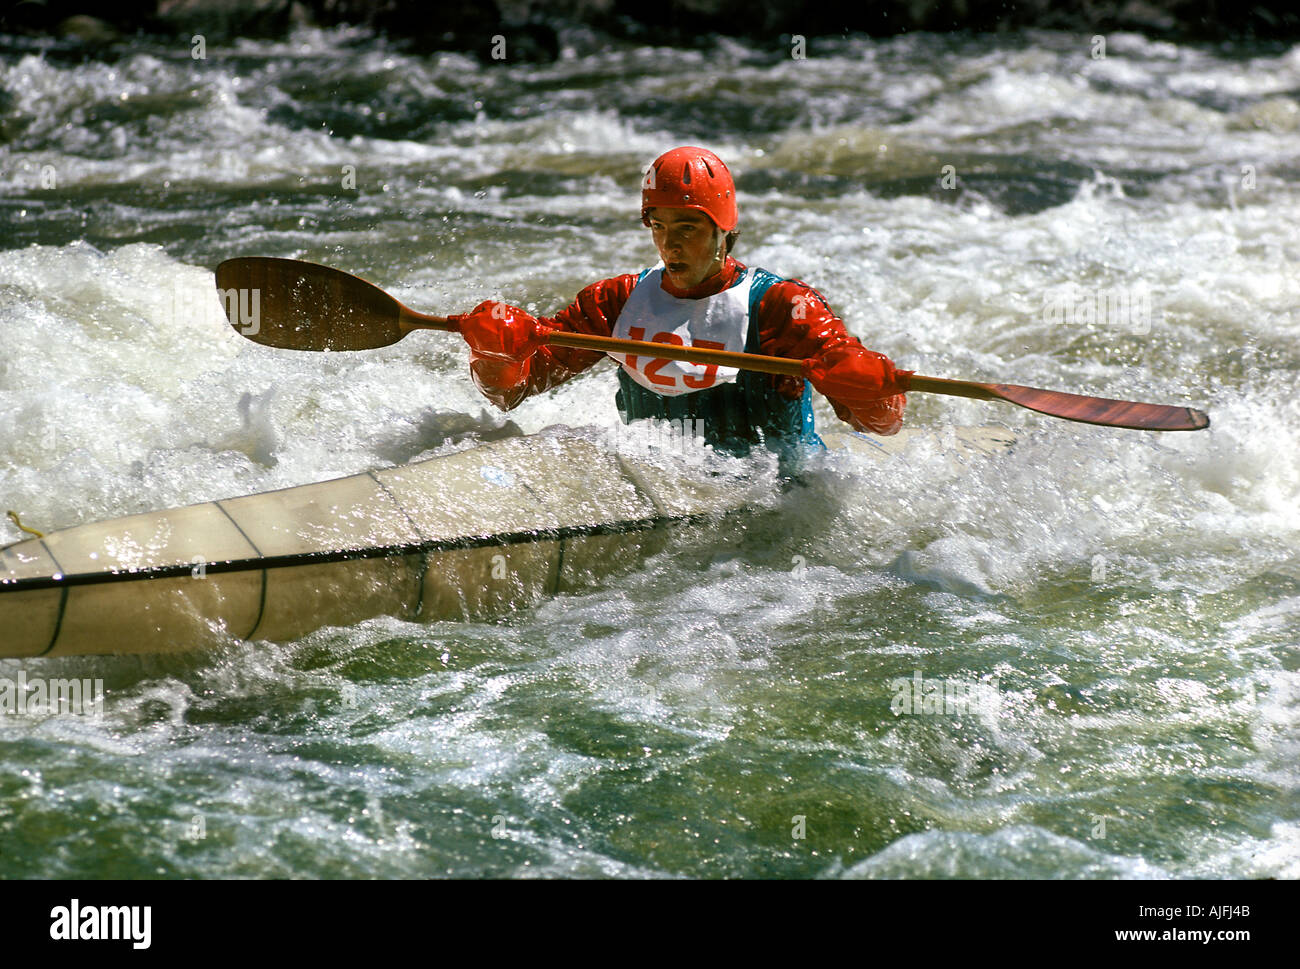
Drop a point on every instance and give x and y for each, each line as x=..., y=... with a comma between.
x=507, y=383
x=796, y=321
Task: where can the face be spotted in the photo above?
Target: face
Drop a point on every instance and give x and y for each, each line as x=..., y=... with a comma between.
x=690, y=245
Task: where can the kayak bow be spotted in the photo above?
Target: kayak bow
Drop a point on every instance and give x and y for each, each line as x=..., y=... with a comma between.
x=471, y=533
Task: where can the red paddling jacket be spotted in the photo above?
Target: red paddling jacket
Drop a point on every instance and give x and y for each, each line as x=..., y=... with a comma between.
x=786, y=318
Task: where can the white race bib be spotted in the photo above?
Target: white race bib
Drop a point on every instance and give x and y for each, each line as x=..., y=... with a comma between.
x=717, y=322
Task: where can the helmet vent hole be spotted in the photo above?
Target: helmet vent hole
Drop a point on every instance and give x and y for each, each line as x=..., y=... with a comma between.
x=686, y=175
x=708, y=169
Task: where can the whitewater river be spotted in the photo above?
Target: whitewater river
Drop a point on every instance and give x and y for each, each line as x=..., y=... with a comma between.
x=1124, y=606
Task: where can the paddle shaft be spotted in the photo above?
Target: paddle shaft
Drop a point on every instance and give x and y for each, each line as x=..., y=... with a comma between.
x=784, y=366
x=1101, y=411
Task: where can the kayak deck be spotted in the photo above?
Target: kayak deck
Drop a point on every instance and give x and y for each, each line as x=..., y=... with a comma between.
x=469, y=533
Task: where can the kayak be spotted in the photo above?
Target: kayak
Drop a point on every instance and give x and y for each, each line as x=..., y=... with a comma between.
x=466, y=534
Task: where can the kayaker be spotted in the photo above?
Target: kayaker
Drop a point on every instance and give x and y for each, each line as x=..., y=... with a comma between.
x=698, y=295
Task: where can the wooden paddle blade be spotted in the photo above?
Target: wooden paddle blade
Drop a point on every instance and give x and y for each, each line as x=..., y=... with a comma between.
x=298, y=305
x=1102, y=410
x=1071, y=407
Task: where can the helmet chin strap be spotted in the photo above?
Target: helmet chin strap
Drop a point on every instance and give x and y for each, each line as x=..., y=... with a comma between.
x=719, y=256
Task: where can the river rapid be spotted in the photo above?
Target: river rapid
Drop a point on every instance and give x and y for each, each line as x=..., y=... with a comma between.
x=1118, y=611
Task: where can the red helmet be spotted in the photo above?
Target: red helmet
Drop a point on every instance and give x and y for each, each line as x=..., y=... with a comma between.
x=691, y=178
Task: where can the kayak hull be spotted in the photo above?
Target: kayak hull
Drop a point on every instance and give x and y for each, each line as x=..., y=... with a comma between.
x=473, y=533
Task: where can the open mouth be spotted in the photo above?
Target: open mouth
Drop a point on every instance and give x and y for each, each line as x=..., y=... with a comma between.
x=676, y=267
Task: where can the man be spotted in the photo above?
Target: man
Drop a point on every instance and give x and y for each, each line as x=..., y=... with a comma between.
x=700, y=296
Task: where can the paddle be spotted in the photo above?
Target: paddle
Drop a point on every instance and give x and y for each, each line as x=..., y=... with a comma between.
x=297, y=305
